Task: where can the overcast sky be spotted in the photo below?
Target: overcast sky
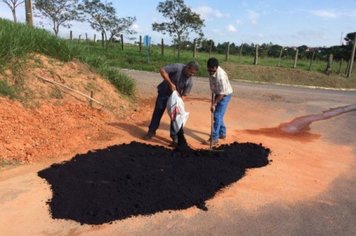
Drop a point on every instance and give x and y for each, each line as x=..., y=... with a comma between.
x=284, y=22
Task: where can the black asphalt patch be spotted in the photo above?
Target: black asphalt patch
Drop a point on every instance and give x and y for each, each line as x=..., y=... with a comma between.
x=134, y=179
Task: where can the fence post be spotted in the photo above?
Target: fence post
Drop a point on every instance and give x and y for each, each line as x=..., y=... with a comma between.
x=122, y=41
x=79, y=38
x=296, y=58
x=210, y=48
x=140, y=44
x=162, y=47
x=349, y=72
x=70, y=35
x=94, y=38
x=227, y=51
x=86, y=37
x=194, y=49
x=255, y=62
x=241, y=47
x=102, y=39
x=311, y=60
x=280, y=56
x=328, y=70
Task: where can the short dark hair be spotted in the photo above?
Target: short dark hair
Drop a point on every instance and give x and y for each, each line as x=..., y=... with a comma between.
x=212, y=62
x=193, y=65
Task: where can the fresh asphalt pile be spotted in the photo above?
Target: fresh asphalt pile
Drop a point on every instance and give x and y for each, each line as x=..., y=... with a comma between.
x=134, y=179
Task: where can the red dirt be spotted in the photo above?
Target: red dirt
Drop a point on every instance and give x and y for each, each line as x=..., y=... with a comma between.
x=53, y=121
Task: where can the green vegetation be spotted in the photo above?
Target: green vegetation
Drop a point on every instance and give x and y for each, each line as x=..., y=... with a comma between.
x=239, y=67
x=18, y=41
x=7, y=90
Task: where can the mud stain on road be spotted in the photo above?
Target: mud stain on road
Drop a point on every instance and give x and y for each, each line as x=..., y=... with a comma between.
x=299, y=128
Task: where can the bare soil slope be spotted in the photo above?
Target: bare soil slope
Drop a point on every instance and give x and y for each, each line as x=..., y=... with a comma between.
x=51, y=120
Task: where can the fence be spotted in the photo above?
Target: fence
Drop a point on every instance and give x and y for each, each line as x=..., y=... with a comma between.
x=342, y=67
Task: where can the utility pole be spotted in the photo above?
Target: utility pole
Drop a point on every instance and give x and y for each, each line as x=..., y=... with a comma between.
x=28, y=9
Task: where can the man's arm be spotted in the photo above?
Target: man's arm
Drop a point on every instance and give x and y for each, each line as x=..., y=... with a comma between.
x=217, y=99
x=166, y=78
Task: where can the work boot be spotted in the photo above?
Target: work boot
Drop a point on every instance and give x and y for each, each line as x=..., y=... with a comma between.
x=222, y=137
x=149, y=135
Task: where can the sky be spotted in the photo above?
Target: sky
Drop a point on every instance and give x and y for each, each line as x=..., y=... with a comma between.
x=315, y=23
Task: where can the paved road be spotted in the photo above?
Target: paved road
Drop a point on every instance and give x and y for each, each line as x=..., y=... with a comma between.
x=332, y=212
x=147, y=81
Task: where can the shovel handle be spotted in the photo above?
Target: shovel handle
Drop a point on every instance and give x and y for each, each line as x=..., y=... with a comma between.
x=212, y=121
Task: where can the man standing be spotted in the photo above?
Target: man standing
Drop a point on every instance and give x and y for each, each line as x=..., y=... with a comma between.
x=221, y=95
x=175, y=77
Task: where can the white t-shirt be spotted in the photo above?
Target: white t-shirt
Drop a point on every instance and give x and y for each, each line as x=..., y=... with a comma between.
x=219, y=82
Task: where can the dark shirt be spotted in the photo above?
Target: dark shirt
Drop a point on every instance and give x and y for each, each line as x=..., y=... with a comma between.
x=183, y=84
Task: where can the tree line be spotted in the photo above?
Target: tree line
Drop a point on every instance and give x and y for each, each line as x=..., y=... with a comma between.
x=341, y=52
x=182, y=24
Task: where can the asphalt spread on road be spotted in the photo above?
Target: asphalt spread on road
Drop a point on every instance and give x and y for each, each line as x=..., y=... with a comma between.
x=128, y=180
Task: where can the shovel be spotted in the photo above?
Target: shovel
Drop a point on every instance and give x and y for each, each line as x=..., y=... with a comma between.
x=212, y=121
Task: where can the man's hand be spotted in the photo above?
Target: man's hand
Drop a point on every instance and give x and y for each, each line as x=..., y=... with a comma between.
x=212, y=108
x=172, y=87
x=166, y=78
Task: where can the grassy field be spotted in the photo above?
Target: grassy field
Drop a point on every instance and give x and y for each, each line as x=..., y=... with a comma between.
x=18, y=42
x=239, y=67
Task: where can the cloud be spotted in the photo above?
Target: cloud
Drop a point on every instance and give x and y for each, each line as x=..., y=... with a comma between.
x=231, y=28
x=253, y=16
x=207, y=13
x=136, y=27
x=324, y=13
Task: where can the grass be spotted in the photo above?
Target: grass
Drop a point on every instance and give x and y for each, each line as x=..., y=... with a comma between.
x=7, y=90
x=239, y=67
x=18, y=41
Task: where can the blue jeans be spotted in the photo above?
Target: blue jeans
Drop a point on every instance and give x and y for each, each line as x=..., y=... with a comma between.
x=219, y=128
x=160, y=107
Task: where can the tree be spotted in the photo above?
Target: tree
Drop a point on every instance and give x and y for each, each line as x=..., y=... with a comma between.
x=102, y=18
x=13, y=4
x=207, y=45
x=59, y=12
x=275, y=50
x=303, y=51
x=120, y=25
x=350, y=37
x=181, y=21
